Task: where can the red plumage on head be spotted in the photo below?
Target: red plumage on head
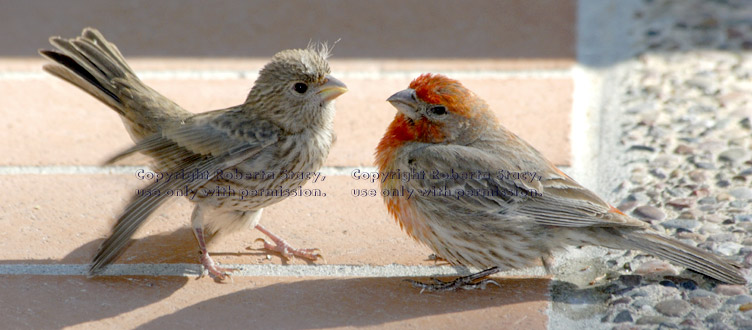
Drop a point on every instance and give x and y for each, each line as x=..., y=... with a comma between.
x=439, y=89
x=432, y=89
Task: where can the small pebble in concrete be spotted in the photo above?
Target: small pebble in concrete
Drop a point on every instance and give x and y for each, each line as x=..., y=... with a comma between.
x=684, y=149
x=730, y=290
x=688, y=285
x=649, y=212
x=701, y=293
x=673, y=307
x=686, y=224
x=707, y=200
x=728, y=248
x=691, y=323
x=739, y=300
x=705, y=302
x=742, y=322
x=681, y=202
x=626, y=206
x=714, y=218
x=716, y=318
x=739, y=204
x=630, y=280
x=743, y=218
x=698, y=176
x=653, y=319
x=668, y=283
x=733, y=155
x=623, y=316
x=690, y=214
x=705, y=165
x=721, y=237
x=741, y=193
x=665, y=161
x=656, y=267
x=621, y=301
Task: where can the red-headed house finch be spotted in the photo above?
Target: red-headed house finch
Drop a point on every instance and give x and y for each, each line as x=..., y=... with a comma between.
x=285, y=124
x=523, y=211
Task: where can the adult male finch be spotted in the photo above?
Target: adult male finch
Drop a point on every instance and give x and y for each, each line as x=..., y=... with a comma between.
x=491, y=201
x=285, y=124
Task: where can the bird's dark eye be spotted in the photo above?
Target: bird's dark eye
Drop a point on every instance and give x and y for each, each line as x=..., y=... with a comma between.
x=300, y=87
x=438, y=110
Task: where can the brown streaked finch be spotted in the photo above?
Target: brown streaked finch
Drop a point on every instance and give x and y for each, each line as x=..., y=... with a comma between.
x=285, y=125
x=489, y=200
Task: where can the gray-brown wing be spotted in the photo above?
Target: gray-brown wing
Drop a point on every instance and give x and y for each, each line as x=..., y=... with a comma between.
x=205, y=144
x=539, y=192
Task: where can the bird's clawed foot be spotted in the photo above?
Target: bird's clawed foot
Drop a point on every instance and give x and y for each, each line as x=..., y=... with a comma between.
x=283, y=248
x=459, y=283
x=469, y=282
x=287, y=251
x=216, y=272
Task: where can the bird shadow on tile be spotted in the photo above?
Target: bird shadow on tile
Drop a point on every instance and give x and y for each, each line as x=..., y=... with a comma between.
x=264, y=302
x=178, y=246
x=61, y=299
x=578, y=303
x=58, y=301
x=292, y=303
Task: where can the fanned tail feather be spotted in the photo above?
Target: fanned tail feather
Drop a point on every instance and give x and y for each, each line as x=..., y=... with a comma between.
x=688, y=256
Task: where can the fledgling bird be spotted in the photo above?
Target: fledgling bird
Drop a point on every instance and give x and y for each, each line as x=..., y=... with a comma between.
x=285, y=125
x=487, y=199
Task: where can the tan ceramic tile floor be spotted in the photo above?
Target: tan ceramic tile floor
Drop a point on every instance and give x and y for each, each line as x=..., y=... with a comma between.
x=58, y=203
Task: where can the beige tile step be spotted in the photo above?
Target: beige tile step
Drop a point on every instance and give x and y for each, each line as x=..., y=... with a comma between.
x=63, y=218
x=515, y=54
x=48, y=122
x=265, y=303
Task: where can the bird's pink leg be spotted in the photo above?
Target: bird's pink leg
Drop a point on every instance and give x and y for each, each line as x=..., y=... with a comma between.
x=287, y=251
x=216, y=272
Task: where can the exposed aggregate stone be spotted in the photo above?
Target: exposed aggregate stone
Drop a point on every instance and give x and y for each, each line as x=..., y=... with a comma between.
x=687, y=131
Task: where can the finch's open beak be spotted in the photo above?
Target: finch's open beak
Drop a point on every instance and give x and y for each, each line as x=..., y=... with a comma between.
x=406, y=102
x=331, y=89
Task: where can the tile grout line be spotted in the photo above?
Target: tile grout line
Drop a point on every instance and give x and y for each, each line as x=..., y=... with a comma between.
x=366, y=75
x=93, y=169
x=601, y=43
x=255, y=270
x=583, y=113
